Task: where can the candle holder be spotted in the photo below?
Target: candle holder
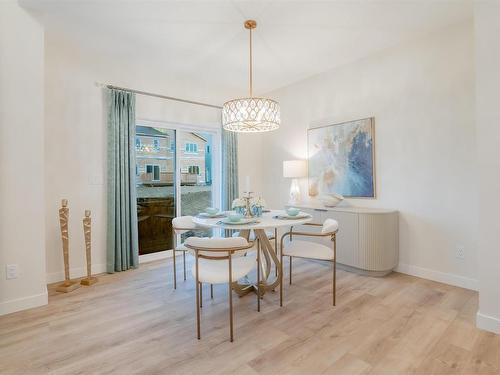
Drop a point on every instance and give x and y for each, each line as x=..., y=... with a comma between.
x=247, y=196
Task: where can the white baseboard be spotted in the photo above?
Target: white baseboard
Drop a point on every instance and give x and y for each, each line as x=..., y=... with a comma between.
x=442, y=277
x=77, y=272
x=488, y=323
x=74, y=273
x=23, y=303
x=155, y=256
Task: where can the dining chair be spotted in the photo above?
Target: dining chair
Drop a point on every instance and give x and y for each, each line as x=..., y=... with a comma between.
x=220, y=261
x=310, y=250
x=181, y=225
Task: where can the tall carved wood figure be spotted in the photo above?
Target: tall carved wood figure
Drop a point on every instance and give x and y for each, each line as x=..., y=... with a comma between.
x=89, y=280
x=67, y=285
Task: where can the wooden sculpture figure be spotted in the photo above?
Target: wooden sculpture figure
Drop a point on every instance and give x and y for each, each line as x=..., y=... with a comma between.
x=89, y=280
x=67, y=285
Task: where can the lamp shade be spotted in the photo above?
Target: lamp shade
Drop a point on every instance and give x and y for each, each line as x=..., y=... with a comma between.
x=294, y=168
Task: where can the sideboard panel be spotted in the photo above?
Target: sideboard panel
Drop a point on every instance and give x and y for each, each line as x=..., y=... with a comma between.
x=378, y=242
x=368, y=238
x=347, y=236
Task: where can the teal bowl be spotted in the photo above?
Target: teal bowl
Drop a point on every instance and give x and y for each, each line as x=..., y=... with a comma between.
x=211, y=210
x=234, y=217
x=292, y=211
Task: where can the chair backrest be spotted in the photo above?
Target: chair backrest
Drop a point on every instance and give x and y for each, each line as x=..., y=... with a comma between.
x=183, y=224
x=329, y=226
x=218, y=243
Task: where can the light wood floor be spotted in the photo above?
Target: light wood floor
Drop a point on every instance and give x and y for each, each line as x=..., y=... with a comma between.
x=135, y=323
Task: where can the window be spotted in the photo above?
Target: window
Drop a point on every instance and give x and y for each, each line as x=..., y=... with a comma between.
x=156, y=145
x=154, y=170
x=138, y=144
x=194, y=169
x=172, y=146
x=191, y=148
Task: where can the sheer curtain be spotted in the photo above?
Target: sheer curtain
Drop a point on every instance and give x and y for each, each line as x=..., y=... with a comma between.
x=122, y=243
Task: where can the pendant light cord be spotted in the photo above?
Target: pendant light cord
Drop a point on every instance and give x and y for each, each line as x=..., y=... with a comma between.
x=251, y=78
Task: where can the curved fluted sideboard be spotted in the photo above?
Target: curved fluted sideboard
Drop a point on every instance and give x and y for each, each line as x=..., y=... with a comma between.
x=368, y=239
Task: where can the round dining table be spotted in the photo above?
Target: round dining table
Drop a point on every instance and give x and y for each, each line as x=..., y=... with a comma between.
x=269, y=220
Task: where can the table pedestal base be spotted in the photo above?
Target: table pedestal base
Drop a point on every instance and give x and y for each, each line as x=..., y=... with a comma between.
x=267, y=261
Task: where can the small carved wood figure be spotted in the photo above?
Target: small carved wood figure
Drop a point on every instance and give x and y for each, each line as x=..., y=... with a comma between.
x=67, y=285
x=89, y=280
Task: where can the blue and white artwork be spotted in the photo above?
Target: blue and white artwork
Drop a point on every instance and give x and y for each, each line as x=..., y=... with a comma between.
x=341, y=159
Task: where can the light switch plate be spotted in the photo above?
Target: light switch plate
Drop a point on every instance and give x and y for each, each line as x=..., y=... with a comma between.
x=95, y=179
x=11, y=271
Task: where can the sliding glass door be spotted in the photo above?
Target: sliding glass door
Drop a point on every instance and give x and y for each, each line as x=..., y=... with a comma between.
x=177, y=173
x=195, y=157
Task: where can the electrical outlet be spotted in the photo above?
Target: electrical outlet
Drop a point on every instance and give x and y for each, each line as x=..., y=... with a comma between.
x=460, y=254
x=11, y=271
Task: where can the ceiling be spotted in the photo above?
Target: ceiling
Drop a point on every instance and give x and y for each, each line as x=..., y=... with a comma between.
x=204, y=42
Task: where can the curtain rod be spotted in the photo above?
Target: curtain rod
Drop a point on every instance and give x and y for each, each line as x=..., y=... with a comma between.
x=157, y=95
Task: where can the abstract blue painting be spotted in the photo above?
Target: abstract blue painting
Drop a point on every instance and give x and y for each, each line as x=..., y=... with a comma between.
x=341, y=159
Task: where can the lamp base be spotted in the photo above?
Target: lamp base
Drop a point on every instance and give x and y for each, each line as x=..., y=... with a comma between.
x=294, y=192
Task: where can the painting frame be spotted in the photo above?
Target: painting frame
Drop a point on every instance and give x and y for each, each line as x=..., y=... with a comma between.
x=330, y=124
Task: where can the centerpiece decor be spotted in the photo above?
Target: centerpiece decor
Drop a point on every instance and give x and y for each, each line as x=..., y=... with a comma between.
x=251, y=114
x=249, y=206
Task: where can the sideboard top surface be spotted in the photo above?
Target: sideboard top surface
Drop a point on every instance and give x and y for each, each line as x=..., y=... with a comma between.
x=352, y=209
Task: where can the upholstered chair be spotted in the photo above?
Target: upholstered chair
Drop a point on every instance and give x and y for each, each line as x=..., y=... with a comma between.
x=181, y=225
x=219, y=261
x=297, y=248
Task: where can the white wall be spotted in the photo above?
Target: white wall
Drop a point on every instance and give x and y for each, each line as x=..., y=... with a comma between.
x=22, y=219
x=250, y=163
x=422, y=97
x=75, y=141
x=487, y=38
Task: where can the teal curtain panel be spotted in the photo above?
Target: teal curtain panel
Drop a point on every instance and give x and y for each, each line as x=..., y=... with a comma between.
x=229, y=168
x=122, y=240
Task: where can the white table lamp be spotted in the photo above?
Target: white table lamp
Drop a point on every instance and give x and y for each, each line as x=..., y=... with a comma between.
x=294, y=169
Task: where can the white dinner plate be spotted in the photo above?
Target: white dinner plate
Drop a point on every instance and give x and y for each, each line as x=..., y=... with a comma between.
x=207, y=215
x=300, y=215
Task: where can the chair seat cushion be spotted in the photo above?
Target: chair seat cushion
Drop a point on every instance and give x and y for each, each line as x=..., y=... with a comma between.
x=217, y=271
x=269, y=234
x=307, y=249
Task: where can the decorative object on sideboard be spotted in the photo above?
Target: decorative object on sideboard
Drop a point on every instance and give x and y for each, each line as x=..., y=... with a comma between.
x=89, y=280
x=294, y=169
x=342, y=159
x=331, y=200
x=251, y=114
x=68, y=285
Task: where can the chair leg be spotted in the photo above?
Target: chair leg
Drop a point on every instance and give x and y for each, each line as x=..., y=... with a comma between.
x=258, y=276
x=175, y=273
x=334, y=269
x=230, y=298
x=290, y=270
x=212, y=291
x=197, y=300
x=276, y=246
x=281, y=278
x=184, y=263
x=334, y=281
x=201, y=295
